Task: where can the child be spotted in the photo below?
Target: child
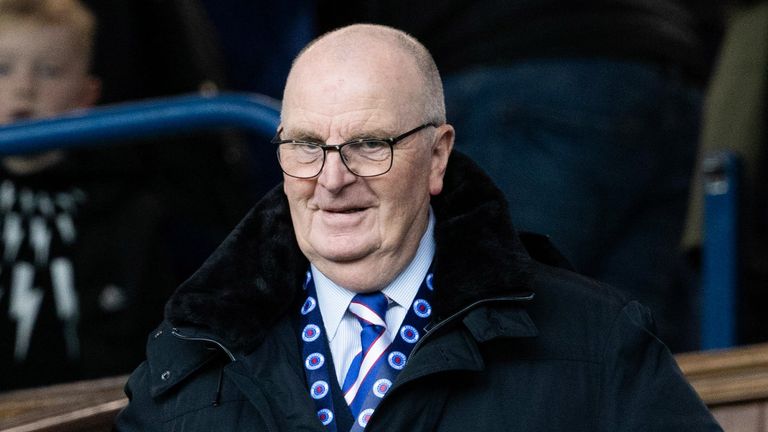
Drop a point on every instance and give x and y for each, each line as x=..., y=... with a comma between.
x=82, y=276
x=45, y=55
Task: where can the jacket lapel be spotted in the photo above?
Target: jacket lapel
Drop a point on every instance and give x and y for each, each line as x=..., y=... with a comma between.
x=272, y=377
x=171, y=359
x=457, y=347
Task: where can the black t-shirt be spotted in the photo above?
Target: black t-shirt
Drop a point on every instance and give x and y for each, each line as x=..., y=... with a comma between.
x=86, y=269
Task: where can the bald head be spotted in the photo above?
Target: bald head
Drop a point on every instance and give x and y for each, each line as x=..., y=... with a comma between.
x=391, y=49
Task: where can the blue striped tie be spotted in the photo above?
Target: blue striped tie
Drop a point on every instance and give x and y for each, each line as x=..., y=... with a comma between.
x=370, y=310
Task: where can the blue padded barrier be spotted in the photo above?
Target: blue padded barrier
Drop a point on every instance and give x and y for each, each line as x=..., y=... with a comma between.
x=720, y=251
x=103, y=125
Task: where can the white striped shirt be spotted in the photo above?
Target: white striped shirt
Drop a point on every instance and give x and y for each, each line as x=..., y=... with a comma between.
x=343, y=329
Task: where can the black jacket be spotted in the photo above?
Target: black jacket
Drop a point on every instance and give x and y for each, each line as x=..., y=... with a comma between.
x=516, y=345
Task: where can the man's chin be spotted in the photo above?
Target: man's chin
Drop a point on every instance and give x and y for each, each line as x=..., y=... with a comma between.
x=358, y=272
x=344, y=247
x=344, y=255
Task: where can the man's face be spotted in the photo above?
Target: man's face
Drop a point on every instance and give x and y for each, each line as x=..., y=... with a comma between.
x=43, y=72
x=360, y=231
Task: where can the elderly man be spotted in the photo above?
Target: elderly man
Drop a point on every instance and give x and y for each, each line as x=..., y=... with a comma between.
x=383, y=287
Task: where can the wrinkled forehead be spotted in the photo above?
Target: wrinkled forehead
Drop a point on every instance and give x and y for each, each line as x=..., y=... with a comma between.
x=368, y=77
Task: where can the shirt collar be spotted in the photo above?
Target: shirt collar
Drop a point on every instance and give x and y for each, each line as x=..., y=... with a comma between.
x=334, y=300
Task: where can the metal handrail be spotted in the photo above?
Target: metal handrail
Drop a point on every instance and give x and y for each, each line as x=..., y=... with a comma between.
x=180, y=114
x=720, y=250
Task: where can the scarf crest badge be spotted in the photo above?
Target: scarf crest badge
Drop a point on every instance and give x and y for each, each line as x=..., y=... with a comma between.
x=315, y=351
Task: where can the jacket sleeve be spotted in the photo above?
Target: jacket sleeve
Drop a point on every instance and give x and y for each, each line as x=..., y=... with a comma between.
x=642, y=388
x=139, y=414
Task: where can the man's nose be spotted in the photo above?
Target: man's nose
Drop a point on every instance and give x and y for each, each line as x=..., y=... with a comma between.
x=335, y=174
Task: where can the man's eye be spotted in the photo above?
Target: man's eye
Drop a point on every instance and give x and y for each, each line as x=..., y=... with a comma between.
x=371, y=150
x=369, y=146
x=372, y=145
x=308, y=149
x=5, y=69
x=302, y=153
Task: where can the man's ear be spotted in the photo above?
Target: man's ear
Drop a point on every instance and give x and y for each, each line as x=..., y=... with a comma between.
x=441, y=150
x=91, y=92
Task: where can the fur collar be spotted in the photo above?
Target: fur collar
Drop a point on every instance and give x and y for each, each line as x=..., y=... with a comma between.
x=254, y=278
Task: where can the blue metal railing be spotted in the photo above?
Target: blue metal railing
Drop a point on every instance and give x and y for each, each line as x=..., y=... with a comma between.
x=253, y=113
x=720, y=252
x=260, y=115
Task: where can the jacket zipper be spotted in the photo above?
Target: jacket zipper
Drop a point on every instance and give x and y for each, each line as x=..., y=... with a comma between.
x=431, y=331
x=466, y=309
x=176, y=333
x=217, y=393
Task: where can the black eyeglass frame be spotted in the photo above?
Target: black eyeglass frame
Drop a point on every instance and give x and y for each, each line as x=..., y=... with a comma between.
x=325, y=147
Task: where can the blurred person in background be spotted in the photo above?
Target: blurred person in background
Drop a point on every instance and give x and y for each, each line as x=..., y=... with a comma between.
x=93, y=240
x=587, y=115
x=160, y=48
x=258, y=44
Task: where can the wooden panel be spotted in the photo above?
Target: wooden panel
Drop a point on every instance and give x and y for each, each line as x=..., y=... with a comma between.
x=728, y=376
x=741, y=418
x=82, y=406
x=734, y=383
x=764, y=420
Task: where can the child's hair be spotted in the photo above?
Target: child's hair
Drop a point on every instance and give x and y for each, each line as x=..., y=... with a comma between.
x=69, y=13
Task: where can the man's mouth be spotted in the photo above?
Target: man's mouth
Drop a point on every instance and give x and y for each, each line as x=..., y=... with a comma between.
x=345, y=211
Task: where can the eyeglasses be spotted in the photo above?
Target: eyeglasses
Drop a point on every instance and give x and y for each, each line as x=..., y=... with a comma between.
x=365, y=157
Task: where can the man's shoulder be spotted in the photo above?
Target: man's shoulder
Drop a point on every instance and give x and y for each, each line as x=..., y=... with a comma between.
x=578, y=317
x=563, y=287
x=555, y=279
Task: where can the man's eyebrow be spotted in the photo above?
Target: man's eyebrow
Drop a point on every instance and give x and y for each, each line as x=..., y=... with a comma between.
x=370, y=134
x=301, y=135
x=304, y=135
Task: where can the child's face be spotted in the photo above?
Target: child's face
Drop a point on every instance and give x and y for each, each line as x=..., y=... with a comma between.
x=43, y=72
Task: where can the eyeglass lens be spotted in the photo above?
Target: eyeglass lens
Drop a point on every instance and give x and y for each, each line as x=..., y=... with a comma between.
x=365, y=158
